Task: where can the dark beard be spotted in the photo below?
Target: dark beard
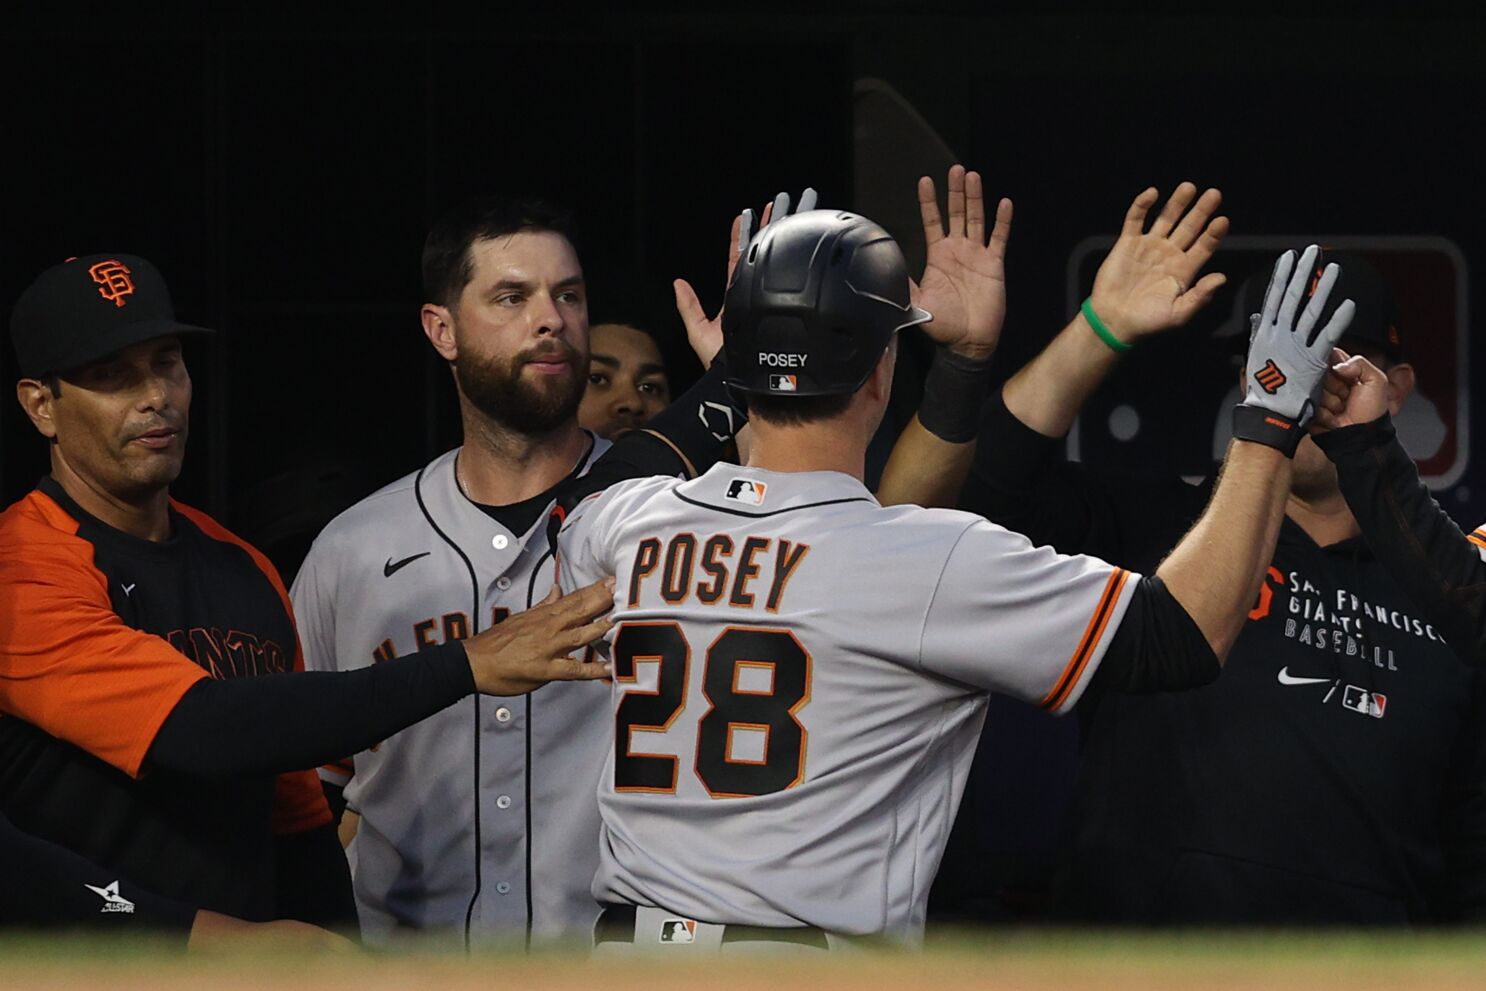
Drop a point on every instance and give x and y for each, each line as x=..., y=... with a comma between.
x=527, y=408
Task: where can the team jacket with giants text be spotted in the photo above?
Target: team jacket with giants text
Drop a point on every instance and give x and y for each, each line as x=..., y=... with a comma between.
x=101, y=633
x=1334, y=774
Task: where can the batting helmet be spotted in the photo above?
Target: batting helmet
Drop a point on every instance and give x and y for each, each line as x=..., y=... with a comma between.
x=814, y=301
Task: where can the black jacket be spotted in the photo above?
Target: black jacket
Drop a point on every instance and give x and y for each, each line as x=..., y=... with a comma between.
x=1439, y=566
x=1335, y=773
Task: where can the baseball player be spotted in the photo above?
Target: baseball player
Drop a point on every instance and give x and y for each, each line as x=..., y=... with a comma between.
x=1294, y=790
x=627, y=382
x=483, y=819
x=144, y=721
x=800, y=674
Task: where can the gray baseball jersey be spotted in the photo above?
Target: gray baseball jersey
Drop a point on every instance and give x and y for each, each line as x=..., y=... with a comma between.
x=488, y=807
x=800, y=679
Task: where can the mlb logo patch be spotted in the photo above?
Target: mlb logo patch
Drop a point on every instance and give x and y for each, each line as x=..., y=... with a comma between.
x=746, y=490
x=782, y=383
x=1365, y=702
x=678, y=931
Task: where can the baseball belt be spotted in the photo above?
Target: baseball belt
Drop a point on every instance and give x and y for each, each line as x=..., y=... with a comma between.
x=620, y=923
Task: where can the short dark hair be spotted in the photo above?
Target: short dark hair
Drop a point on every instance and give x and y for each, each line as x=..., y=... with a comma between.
x=794, y=411
x=54, y=383
x=447, y=266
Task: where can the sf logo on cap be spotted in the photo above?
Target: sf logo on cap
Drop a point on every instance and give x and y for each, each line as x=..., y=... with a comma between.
x=113, y=280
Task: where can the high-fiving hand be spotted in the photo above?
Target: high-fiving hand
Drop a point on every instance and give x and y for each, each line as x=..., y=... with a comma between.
x=964, y=283
x=1148, y=283
x=1287, y=355
x=704, y=333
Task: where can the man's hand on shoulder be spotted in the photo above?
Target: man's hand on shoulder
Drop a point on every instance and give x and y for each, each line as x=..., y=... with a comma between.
x=532, y=648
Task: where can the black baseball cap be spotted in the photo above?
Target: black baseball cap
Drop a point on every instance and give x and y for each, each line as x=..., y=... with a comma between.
x=1375, y=319
x=87, y=308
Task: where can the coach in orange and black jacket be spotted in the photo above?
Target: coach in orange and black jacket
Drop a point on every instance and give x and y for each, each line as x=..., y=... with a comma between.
x=137, y=727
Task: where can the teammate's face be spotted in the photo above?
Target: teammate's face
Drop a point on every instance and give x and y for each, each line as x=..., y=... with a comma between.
x=521, y=331
x=626, y=381
x=119, y=424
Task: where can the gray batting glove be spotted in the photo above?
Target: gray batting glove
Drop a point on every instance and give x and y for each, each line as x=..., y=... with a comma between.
x=1288, y=358
x=781, y=210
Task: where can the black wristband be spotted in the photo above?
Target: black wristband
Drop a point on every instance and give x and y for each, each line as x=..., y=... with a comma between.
x=954, y=391
x=1262, y=426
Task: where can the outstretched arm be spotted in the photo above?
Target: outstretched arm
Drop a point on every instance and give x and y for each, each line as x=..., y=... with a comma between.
x=964, y=287
x=1148, y=284
x=215, y=729
x=1216, y=569
x=1439, y=567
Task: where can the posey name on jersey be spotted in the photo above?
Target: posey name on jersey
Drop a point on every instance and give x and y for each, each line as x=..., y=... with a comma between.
x=715, y=570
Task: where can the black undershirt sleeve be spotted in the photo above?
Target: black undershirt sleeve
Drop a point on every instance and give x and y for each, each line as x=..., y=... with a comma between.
x=1020, y=479
x=1463, y=818
x=1423, y=549
x=46, y=886
x=290, y=722
x=335, y=797
x=686, y=438
x=1157, y=647
x=315, y=880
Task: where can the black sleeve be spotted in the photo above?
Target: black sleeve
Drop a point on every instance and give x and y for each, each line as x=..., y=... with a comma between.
x=1463, y=819
x=43, y=885
x=315, y=881
x=1427, y=554
x=1157, y=647
x=1020, y=480
x=685, y=439
x=289, y=722
x=335, y=797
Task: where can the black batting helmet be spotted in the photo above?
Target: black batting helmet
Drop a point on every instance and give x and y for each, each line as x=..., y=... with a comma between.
x=814, y=301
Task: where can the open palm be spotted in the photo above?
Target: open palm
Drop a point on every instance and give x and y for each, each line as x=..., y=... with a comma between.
x=964, y=282
x=1149, y=283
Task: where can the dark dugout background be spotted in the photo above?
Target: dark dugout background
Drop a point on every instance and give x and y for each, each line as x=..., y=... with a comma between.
x=282, y=170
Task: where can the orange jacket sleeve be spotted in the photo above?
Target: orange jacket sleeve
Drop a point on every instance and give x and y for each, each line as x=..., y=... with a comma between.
x=68, y=664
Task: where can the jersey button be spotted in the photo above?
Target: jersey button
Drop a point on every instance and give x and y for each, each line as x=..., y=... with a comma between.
x=499, y=541
x=503, y=715
x=503, y=801
x=503, y=888
x=503, y=583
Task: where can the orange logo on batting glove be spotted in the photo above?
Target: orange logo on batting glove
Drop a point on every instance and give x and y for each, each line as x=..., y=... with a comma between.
x=1270, y=377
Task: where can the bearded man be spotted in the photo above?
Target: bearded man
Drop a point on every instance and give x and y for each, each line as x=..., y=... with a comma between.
x=483, y=819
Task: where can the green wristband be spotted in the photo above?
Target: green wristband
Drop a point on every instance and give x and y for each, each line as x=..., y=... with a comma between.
x=1115, y=344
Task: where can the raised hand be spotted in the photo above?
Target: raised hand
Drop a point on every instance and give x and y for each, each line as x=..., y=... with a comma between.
x=964, y=283
x=1354, y=391
x=704, y=333
x=1146, y=283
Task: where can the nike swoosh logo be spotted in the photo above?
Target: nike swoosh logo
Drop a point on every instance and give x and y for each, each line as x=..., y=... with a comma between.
x=1286, y=678
x=389, y=569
